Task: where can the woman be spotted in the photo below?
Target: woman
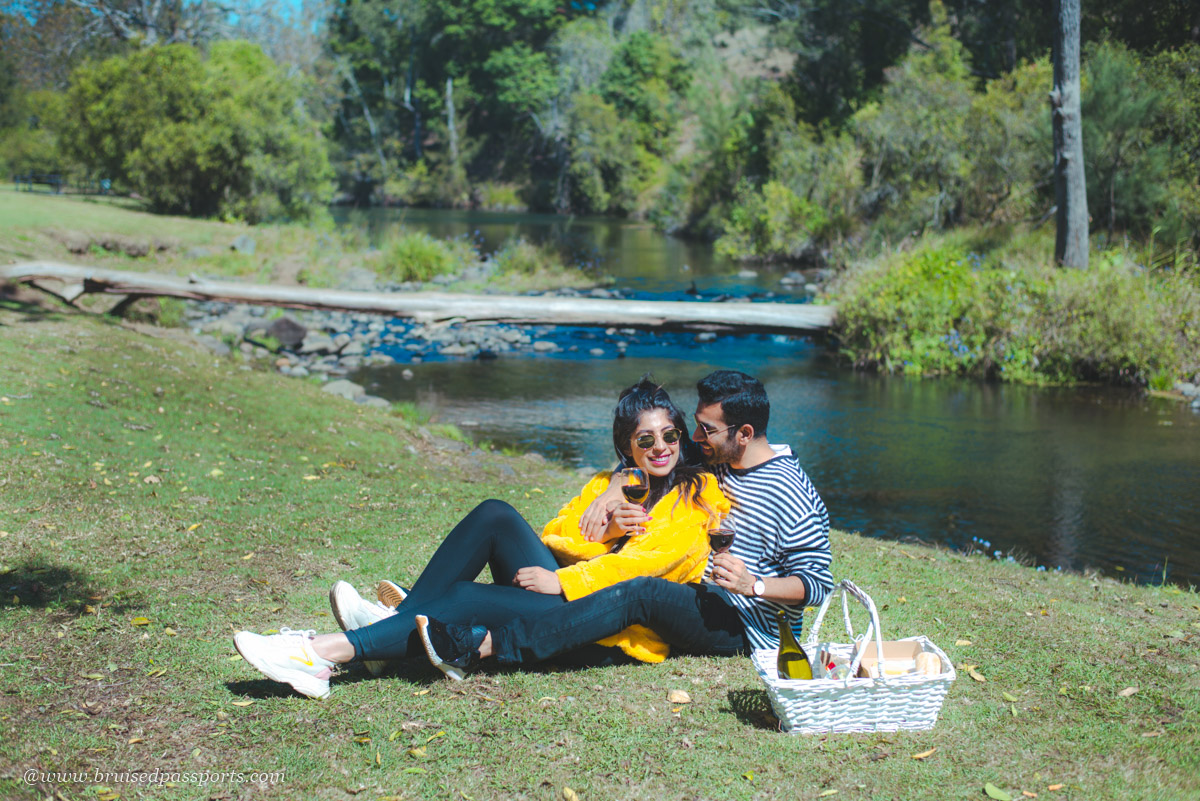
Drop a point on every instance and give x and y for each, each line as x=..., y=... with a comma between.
x=531, y=573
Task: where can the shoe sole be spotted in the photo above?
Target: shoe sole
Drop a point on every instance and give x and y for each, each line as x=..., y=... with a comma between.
x=373, y=666
x=390, y=594
x=301, y=684
x=452, y=673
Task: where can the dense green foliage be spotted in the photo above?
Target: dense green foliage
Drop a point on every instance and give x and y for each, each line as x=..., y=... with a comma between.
x=782, y=127
x=224, y=135
x=943, y=310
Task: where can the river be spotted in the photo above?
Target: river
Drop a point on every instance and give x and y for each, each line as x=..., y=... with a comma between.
x=1062, y=478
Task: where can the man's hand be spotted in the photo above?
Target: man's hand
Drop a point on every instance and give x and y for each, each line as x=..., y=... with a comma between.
x=595, y=519
x=538, y=579
x=731, y=573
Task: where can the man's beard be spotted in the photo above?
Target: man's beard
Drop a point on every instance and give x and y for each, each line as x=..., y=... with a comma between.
x=725, y=453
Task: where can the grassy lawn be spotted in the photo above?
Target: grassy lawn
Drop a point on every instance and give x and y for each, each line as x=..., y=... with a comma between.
x=104, y=232
x=154, y=501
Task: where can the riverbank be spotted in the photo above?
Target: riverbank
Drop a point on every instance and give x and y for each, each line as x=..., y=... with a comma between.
x=976, y=304
x=156, y=498
x=109, y=232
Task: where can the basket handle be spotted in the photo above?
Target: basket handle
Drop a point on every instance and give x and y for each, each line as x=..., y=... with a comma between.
x=847, y=588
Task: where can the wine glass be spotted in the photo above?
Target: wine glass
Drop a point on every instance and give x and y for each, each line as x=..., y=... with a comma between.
x=636, y=488
x=720, y=535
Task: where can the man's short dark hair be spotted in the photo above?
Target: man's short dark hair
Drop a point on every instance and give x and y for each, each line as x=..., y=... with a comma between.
x=742, y=397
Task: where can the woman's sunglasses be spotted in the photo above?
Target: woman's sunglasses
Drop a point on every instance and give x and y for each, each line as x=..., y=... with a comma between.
x=670, y=436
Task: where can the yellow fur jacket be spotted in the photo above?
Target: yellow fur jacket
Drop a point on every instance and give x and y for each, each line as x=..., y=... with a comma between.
x=674, y=547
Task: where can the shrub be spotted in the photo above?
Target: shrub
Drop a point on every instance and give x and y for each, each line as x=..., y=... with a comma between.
x=941, y=310
x=417, y=256
x=224, y=136
x=771, y=224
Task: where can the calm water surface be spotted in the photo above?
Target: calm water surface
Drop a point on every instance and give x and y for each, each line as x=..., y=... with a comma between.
x=1068, y=478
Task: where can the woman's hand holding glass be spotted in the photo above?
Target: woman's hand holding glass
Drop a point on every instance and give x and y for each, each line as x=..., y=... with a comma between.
x=627, y=519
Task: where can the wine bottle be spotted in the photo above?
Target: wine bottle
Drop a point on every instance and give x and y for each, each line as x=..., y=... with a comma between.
x=793, y=662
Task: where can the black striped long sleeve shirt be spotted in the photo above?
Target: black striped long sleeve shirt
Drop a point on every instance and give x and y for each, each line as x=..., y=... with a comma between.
x=782, y=529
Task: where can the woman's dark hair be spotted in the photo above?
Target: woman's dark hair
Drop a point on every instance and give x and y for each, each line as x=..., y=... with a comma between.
x=642, y=397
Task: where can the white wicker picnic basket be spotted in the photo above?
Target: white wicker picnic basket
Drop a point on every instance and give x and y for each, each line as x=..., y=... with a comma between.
x=910, y=701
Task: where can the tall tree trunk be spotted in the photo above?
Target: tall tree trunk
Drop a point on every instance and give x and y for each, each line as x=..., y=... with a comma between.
x=450, y=124
x=1070, y=190
x=409, y=83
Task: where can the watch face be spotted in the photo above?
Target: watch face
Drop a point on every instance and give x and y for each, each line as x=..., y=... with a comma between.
x=760, y=587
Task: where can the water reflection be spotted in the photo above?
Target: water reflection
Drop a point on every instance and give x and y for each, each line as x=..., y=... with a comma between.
x=1076, y=478
x=635, y=254
x=1071, y=478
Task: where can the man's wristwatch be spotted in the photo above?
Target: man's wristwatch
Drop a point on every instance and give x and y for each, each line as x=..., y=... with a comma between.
x=760, y=587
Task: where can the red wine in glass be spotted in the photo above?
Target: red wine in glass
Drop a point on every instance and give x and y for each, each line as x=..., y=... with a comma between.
x=720, y=539
x=636, y=493
x=636, y=489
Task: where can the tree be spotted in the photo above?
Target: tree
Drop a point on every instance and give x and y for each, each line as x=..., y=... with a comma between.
x=1070, y=188
x=223, y=136
x=1129, y=170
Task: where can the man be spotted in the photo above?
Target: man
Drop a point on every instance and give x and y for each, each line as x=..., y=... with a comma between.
x=780, y=558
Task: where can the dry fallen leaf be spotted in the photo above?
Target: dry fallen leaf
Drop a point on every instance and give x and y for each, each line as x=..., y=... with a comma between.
x=417, y=753
x=679, y=697
x=1012, y=699
x=975, y=674
x=827, y=793
x=1055, y=787
x=91, y=675
x=924, y=754
x=1028, y=794
x=962, y=643
x=133, y=740
x=569, y=795
x=140, y=621
x=1128, y=691
x=243, y=703
x=170, y=632
x=194, y=526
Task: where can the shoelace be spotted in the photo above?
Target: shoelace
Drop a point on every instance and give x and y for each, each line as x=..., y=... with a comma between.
x=284, y=631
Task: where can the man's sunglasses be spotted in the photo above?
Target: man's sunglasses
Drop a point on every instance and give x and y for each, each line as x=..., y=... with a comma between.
x=670, y=436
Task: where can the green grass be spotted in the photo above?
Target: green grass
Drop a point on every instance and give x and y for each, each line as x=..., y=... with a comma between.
x=35, y=226
x=268, y=490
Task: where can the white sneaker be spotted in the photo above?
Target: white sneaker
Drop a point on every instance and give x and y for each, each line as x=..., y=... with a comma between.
x=352, y=611
x=390, y=594
x=287, y=657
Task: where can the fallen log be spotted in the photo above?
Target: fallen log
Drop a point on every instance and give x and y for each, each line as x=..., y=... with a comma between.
x=429, y=307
